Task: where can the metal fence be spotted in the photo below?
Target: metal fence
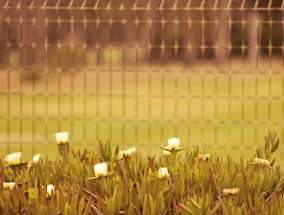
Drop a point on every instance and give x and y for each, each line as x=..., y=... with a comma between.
x=137, y=72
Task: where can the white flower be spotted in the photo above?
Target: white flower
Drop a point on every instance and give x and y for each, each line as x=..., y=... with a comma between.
x=14, y=158
x=49, y=189
x=61, y=137
x=100, y=169
x=263, y=162
x=203, y=157
x=127, y=153
x=163, y=172
x=172, y=147
x=10, y=185
x=173, y=143
x=36, y=158
x=230, y=191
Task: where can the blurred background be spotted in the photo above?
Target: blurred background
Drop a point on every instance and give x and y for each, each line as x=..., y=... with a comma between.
x=137, y=72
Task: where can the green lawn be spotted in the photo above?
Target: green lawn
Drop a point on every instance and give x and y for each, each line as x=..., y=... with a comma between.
x=221, y=111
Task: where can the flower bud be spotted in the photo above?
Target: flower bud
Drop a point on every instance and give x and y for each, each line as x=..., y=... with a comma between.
x=163, y=172
x=36, y=158
x=127, y=153
x=49, y=189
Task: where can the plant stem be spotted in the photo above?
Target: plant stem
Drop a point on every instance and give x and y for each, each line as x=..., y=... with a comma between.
x=64, y=150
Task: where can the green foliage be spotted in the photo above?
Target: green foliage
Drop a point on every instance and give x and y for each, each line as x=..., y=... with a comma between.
x=194, y=186
x=270, y=146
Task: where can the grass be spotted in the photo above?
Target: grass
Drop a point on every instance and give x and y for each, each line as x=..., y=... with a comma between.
x=222, y=111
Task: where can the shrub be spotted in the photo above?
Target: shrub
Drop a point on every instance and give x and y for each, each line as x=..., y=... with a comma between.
x=124, y=182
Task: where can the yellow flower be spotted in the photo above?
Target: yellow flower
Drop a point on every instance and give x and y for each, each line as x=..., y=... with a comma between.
x=100, y=169
x=49, y=189
x=14, y=158
x=173, y=143
x=36, y=158
x=10, y=185
x=230, y=191
x=62, y=137
x=263, y=162
x=127, y=153
x=163, y=173
x=203, y=157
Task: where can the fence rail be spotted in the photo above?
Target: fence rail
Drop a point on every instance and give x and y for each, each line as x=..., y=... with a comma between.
x=140, y=72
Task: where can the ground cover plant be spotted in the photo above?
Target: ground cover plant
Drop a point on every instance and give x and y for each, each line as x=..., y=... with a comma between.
x=108, y=181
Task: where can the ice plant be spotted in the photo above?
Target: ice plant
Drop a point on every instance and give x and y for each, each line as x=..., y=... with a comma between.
x=36, y=158
x=230, y=191
x=173, y=148
x=100, y=169
x=173, y=145
x=49, y=189
x=163, y=173
x=62, y=137
x=14, y=158
x=63, y=143
x=262, y=162
x=144, y=185
x=204, y=157
x=10, y=185
x=166, y=152
x=127, y=153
